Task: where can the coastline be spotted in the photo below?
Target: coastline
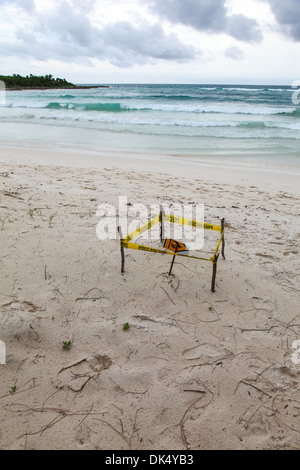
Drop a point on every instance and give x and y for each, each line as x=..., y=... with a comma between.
x=195, y=370
x=274, y=177
x=75, y=87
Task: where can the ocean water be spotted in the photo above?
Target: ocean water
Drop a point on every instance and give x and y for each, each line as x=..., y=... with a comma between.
x=248, y=124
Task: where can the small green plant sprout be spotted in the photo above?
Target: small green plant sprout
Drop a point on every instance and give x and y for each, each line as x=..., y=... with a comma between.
x=31, y=211
x=13, y=389
x=126, y=326
x=51, y=218
x=2, y=223
x=66, y=345
x=210, y=308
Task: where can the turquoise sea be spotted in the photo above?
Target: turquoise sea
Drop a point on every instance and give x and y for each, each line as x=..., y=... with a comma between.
x=248, y=124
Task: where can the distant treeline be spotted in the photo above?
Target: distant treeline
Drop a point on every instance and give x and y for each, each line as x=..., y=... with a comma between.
x=33, y=81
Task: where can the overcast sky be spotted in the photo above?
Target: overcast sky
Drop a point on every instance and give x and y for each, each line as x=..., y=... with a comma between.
x=152, y=41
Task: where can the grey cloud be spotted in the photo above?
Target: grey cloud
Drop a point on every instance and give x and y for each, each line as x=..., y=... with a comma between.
x=200, y=14
x=207, y=15
x=27, y=5
x=244, y=29
x=67, y=24
x=287, y=14
x=85, y=6
x=146, y=41
x=26, y=37
x=235, y=53
x=66, y=33
x=41, y=51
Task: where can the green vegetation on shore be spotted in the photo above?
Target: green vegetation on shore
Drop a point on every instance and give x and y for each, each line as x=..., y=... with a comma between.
x=33, y=81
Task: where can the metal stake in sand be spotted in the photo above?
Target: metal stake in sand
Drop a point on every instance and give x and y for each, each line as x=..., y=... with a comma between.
x=213, y=281
x=122, y=250
x=175, y=246
x=171, y=267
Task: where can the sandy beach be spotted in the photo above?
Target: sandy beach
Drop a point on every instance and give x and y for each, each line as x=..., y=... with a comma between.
x=195, y=370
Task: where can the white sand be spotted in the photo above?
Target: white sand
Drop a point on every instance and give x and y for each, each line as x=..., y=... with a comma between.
x=195, y=370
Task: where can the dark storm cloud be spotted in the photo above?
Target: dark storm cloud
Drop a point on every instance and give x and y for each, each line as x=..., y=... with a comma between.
x=207, y=15
x=287, y=14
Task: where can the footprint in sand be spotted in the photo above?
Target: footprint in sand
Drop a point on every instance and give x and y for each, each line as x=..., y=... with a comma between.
x=203, y=350
x=76, y=376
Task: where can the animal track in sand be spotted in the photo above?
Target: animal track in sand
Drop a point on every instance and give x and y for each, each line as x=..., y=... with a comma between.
x=99, y=362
